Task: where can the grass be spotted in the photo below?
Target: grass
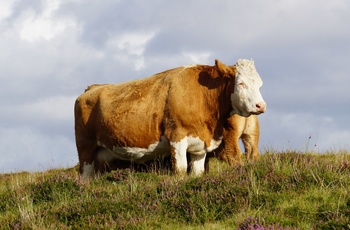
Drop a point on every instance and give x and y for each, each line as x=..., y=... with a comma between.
x=289, y=190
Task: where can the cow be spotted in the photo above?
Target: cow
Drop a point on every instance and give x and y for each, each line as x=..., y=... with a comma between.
x=237, y=127
x=173, y=112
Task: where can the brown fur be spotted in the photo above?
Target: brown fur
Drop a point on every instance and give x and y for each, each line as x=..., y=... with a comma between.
x=237, y=127
x=175, y=103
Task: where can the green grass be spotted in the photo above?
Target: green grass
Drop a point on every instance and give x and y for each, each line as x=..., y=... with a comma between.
x=289, y=190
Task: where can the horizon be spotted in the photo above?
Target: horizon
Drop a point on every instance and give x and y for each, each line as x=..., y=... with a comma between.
x=52, y=50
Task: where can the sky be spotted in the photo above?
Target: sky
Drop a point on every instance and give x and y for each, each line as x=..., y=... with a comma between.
x=51, y=50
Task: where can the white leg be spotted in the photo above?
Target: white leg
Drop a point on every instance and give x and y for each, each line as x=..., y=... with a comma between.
x=88, y=170
x=180, y=149
x=197, y=162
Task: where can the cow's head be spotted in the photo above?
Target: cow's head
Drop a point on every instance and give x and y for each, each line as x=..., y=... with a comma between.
x=246, y=98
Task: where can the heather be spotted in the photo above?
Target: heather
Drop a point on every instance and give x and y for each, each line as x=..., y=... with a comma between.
x=288, y=190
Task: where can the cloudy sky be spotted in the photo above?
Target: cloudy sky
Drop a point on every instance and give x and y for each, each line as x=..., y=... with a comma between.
x=50, y=50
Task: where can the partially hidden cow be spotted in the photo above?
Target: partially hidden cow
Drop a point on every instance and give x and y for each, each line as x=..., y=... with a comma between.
x=237, y=127
x=170, y=113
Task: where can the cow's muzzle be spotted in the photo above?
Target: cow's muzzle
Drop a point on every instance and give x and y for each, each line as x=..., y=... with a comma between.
x=260, y=107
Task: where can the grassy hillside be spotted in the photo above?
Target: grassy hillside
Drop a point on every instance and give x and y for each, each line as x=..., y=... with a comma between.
x=282, y=191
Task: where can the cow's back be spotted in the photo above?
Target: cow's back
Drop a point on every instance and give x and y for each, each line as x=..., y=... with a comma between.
x=118, y=114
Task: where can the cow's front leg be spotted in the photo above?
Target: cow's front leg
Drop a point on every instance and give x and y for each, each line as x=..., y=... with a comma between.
x=178, y=156
x=197, y=163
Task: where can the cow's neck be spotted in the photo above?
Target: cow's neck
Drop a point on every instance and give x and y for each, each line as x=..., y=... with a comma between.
x=219, y=105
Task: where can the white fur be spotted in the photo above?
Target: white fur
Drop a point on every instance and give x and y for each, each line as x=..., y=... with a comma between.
x=214, y=144
x=180, y=155
x=197, y=162
x=188, y=66
x=196, y=147
x=246, y=94
x=139, y=155
x=88, y=170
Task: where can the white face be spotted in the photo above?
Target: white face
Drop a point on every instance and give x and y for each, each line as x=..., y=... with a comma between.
x=246, y=98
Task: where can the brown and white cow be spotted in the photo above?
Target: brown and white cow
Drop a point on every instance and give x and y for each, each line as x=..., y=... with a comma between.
x=176, y=111
x=237, y=127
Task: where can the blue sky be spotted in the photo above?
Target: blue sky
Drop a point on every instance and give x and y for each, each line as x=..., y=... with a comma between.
x=52, y=49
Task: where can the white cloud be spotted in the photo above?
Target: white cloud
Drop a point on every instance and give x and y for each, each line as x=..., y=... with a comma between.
x=198, y=57
x=51, y=50
x=130, y=47
x=44, y=26
x=6, y=8
x=131, y=43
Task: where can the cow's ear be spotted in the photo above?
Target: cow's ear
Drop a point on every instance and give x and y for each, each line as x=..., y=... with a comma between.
x=224, y=70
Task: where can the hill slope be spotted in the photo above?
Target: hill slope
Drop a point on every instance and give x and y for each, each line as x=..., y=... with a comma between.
x=282, y=190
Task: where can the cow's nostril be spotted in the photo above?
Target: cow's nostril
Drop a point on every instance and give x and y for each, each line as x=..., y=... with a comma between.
x=260, y=107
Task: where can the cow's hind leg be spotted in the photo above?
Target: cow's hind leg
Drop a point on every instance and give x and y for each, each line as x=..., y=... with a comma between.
x=87, y=166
